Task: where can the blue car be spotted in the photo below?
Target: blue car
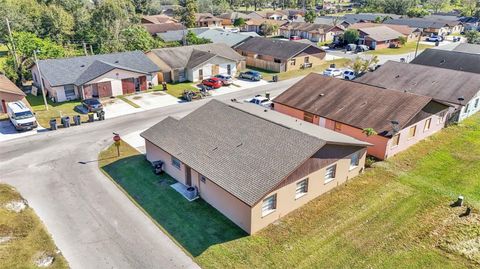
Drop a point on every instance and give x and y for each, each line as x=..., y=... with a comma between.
x=251, y=75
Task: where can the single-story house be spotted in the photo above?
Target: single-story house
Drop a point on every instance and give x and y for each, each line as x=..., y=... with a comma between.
x=103, y=75
x=454, y=60
x=254, y=25
x=399, y=119
x=234, y=154
x=457, y=88
x=280, y=55
x=429, y=26
x=229, y=18
x=311, y=31
x=207, y=20
x=368, y=17
x=379, y=37
x=224, y=36
x=157, y=19
x=155, y=29
x=277, y=15
x=9, y=92
x=179, y=35
x=410, y=33
x=196, y=62
x=467, y=48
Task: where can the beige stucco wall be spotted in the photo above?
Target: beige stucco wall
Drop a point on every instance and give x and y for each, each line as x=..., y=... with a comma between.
x=154, y=153
x=286, y=201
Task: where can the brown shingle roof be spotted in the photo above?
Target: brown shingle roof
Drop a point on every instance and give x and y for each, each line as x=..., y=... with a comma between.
x=162, y=27
x=441, y=84
x=353, y=103
x=308, y=27
x=381, y=33
x=259, y=22
x=276, y=48
x=7, y=86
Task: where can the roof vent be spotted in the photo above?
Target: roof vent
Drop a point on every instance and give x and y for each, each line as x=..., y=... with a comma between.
x=321, y=95
x=397, y=76
x=265, y=110
x=116, y=61
x=82, y=65
x=442, y=61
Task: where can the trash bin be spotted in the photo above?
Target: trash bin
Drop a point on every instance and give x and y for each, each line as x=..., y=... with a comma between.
x=267, y=95
x=275, y=78
x=77, y=120
x=91, y=117
x=101, y=115
x=66, y=121
x=53, y=124
x=332, y=65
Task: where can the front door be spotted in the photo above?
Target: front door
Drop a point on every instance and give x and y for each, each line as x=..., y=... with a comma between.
x=322, y=122
x=200, y=74
x=229, y=69
x=188, y=175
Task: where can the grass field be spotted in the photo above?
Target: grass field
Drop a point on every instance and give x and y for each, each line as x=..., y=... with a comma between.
x=29, y=239
x=396, y=215
x=55, y=110
x=176, y=89
x=407, y=48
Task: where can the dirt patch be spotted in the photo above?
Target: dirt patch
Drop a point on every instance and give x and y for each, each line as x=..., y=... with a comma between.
x=137, y=97
x=17, y=206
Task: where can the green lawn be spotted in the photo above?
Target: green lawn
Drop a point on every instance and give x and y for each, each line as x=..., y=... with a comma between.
x=29, y=239
x=407, y=48
x=176, y=89
x=196, y=225
x=55, y=110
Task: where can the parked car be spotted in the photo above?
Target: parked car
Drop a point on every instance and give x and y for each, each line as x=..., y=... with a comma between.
x=435, y=38
x=212, y=82
x=251, y=75
x=295, y=37
x=348, y=74
x=21, y=116
x=225, y=79
x=332, y=72
x=92, y=105
x=335, y=45
x=260, y=100
x=361, y=48
x=350, y=47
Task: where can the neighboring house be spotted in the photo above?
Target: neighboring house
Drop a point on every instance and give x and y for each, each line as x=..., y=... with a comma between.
x=100, y=76
x=254, y=25
x=169, y=10
x=311, y=31
x=9, y=92
x=279, y=55
x=224, y=36
x=278, y=15
x=379, y=37
x=179, y=35
x=467, y=48
x=207, y=20
x=157, y=19
x=253, y=165
x=195, y=63
x=155, y=29
x=457, y=88
x=348, y=107
x=332, y=20
x=230, y=17
x=454, y=60
x=411, y=34
x=429, y=26
x=368, y=17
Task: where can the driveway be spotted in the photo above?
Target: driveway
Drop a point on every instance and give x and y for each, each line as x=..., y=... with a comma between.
x=8, y=132
x=153, y=100
x=238, y=85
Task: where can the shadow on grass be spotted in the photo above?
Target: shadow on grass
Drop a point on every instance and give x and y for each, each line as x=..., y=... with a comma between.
x=195, y=225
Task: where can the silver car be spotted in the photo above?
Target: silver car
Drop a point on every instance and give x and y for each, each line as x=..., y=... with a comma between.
x=225, y=79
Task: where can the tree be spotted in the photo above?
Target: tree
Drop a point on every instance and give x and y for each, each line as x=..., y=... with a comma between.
x=417, y=12
x=193, y=39
x=369, y=132
x=437, y=5
x=360, y=66
x=402, y=40
x=310, y=16
x=350, y=36
x=189, y=8
x=142, y=6
x=239, y=22
x=26, y=43
x=469, y=7
x=268, y=28
x=398, y=6
x=136, y=37
x=56, y=23
x=473, y=37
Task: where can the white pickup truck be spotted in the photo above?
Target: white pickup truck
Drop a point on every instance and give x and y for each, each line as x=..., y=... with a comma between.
x=260, y=100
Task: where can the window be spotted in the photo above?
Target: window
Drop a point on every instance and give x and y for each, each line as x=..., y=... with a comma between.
x=476, y=103
x=440, y=117
x=412, y=131
x=293, y=62
x=306, y=60
x=269, y=205
x=35, y=77
x=308, y=117
x=466, y=108
x=244, y=53
x=354, y=161
x=203, y=179
x=277, y=60
x=302, y=188
x=176, y=162
x=338, y=126
x=428, y=122
x=395, y=140
x=330, y=173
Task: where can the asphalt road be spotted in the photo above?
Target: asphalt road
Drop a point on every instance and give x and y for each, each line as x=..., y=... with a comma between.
x=91, y=221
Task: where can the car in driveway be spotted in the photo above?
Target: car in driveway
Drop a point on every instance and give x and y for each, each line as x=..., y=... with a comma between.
x=260, y=100
x=225, y=79
x=348, y=74
x=251, y=75
x=435, y=38
x=212, y=82
x=361, y=48
x=332, y=72
x=92, y=105
x=21, y=116
x=295, y=37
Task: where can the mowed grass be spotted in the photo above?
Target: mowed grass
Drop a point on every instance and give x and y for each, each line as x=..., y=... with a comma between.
x=396, y=215
x=55, y=110
x=176, y=89
x=407, y=48
x=194, y=225
x=29, y=239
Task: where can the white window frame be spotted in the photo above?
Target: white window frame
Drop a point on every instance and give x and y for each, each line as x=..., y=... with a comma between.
x=270, y=199
x=301, y=188
x=174, y=160
x=357, y=155
x=330, y=179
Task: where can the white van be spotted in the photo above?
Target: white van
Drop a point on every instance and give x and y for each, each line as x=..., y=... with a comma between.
x=21, y=116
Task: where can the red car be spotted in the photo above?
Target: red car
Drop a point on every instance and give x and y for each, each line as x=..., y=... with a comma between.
x=212, y=82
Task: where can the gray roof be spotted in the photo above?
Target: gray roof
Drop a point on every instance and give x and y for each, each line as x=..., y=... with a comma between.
x=274, y=47
x=454, y=60
x=79, y=70
x=421, y=23
x=240, y=147
x=441, y=84
x=177, y=35
x=381, y=33
x=192, y=56
x=468, y=48
x=222, y=36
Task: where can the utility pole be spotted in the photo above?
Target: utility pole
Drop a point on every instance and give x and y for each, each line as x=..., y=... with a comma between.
x=41, y=80
x=418, y=41
x=85, y=48
x=91, y=49
x=13, y=45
